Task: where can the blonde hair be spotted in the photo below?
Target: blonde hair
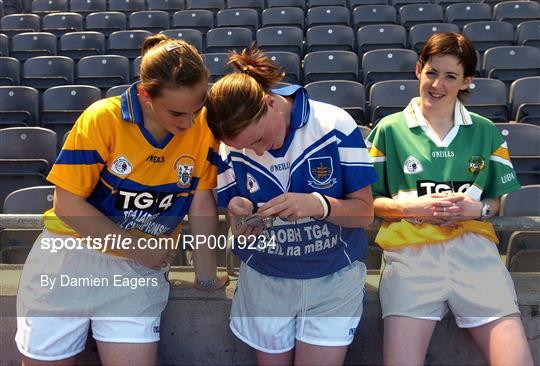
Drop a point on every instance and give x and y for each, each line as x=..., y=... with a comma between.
x=168, y=62
x=238, y=99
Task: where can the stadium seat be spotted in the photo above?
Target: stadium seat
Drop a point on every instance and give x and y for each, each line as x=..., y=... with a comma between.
x=42, y=7
x=201, y=20
x=488, y=97
x=509, y=63
x=31, y=200
x=246, y=18
x=328, y=15
x=153, y=21
x=15, y=254
x=60, y=23
x=330, y=65
x=418, y=34
x=391, y=96
x=412, y=14
x=85, y=7
x=127, y=43
x=445, y=3
x=228, y=38
x=283, y=16
x=103, y=71
x=106, y=22
x=257, y=5
x=116, y=90
x=289, y=63
x=528, y=33
x=487, y=34
x=126, y=6
x=525, y=261
x=522, y=140
x=191, y=36
x=62, y=105
x=136, y=69
x=77, y=45
x=349, y=95
x=523, y=242
x=170, y=6
x=19, y=23
x=43, y=72
x=525, y=100
x=26, y=155
x=315, y=3
x=373, y=37
x=32, y=44
x=4, y=45
x=388, y=64
x=515, y=12
x=280, y=3
x=329, y=38
x=213, y=5
x=464, y=13
x=283, y=38
x=18, y=106
x=373, y=15
x=216, y=63
x=10, y=71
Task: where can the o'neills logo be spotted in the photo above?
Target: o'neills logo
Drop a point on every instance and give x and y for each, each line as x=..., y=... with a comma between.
x=184, y=166
x=121, y=166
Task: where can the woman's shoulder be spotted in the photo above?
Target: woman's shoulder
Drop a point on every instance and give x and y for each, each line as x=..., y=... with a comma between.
x=103, y=107
x=331, y=116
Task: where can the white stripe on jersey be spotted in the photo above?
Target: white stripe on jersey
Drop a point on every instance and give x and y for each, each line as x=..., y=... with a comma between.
x=501, y=160
x=354, y=155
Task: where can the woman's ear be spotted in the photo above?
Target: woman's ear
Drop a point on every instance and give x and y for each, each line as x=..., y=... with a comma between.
x=144, y=95
x=418, y=70
x=466, y=82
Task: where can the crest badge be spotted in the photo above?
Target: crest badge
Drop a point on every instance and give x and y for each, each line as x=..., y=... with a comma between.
x=252, y=184
x=121, y=166
x=184, y=166
x=321, y=170
x=477, y=163
x=412, y=166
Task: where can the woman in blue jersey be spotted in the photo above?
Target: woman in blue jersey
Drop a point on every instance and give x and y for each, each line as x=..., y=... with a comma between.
x=442, y=172
x=132, y=167
x=302, y=168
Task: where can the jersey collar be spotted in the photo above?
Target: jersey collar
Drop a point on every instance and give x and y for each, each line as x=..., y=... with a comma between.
x=300, y=110
x=415, y=118
x=131, y=108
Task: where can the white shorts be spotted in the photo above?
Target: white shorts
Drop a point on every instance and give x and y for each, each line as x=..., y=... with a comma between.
x=269, y=313
x=121, y=300
x=465, y=274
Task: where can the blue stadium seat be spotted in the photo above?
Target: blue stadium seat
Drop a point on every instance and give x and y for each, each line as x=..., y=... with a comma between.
x=246, y=18
x=18, y=106
x=515, y=12
x=191, y=36
x=330, y=37
x=283, y=16
x=216, y=63
x=4, y=45
x=150, y=20
x=127, y=6
x=103, y=71
x=412, y=14
x=525, y=100
x=77, y=45
x=85, y=7
x=31, y=200
x=170, y=6
x=43, y=72
x=521, y=245
x=228, y=38
x=136, y=69
x=488, y=97
x=528, y=33
x=280, y=3
x=42, y=7
x=127, y=43
x=19, y=23
x=509, y=63
x=106, y=22
x=289, y=63
x=388, y=64
x=349, y=95
x=32, y=44
x=391, y=96
x=116, y=90
x=418, y=34
x=199, y=19
x=373, y=15
x=445, y=3
x=61, y=23
x=257, y=5
x=464, y=13
x=314, y=3
x=282, y=38
x=375, y=37
x=330, y=65
x=328, y=15
x=213, y=5
x=489, y=34
x=353, y=4
x=399, y=3
x=10, y=71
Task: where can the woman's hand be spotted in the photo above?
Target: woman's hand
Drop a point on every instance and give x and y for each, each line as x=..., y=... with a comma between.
x=240, y=207
x=435, y=208
x=293, y=206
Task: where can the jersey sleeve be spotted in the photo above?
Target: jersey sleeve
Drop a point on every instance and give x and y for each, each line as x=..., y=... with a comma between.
x=376, y=145
x=226, y=180
x=499, y=176
x=78, y=165
x=356, y=166
x=207, y=179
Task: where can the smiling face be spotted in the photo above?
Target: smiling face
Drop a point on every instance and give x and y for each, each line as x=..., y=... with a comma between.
x=268, y=133
x=175, y=109
x=441, y=79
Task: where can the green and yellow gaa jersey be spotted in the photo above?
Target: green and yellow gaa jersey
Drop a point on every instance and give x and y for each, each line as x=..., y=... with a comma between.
x=412, y=161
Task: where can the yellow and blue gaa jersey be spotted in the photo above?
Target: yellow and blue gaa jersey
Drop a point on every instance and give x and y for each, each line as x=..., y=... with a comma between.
x=141, y=184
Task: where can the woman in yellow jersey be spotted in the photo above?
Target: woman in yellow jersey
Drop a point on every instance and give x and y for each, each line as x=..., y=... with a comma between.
x=132, y=167
x=442, y=170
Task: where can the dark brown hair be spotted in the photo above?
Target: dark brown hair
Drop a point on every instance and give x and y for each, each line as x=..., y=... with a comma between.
x=454, y=44
x=169, y=63
x=238, y=99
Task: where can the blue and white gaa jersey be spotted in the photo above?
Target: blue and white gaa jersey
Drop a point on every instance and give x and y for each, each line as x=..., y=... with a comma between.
x=323, y=152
